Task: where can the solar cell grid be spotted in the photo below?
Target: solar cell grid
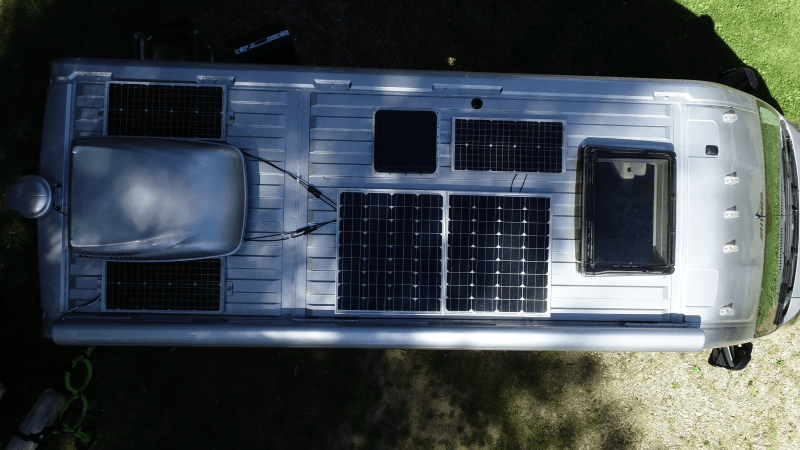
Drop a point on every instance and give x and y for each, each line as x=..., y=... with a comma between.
x=508, y=145
x=159, y=110
x=389, y=252
x=498, y=253
x=161, y=286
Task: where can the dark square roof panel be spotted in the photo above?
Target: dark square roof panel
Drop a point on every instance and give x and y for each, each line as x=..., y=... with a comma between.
x=406, y=142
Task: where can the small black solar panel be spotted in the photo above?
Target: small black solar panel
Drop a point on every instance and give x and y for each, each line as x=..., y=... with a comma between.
x=498, y=249
x=164, y=286
x=508, y=145
x=159, y=110
x=390, y=252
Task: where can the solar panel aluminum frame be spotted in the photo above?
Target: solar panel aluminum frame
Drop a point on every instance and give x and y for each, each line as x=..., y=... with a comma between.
x=445, y=227
x=443, y=259
x=515, y=119
x=435, y=174
x=225, y=287
x=494, y=314
x=224, y=113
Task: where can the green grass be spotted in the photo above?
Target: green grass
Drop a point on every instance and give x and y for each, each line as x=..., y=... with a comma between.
x=765, y=36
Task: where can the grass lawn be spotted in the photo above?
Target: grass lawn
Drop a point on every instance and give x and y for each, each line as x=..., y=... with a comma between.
x=292, y=398
x=765, y=36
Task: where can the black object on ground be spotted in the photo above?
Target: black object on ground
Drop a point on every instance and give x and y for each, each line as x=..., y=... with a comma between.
x=269, y=45
x=172, y=42
x=735, y=357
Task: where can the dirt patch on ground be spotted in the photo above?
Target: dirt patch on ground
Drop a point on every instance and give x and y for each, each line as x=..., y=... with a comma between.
x=589, y=400
x=678, y=401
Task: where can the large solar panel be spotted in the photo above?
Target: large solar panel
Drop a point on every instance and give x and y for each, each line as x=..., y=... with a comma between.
x=508, y=145
x=498, y=254
x=163, y=286
x=161, y=110
x=390, y=252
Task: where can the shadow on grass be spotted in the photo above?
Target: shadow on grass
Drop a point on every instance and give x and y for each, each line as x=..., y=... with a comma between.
x=219, y=398
x=210, y=398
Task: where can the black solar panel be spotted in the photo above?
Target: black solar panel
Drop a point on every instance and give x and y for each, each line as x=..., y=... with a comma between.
x=162, y=286
x=508, y=145
x=498, y=252
x=390, y=252
x=159, y=110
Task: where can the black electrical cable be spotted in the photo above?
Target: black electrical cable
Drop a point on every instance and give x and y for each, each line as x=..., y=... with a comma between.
x=308, y=229
x=306, y=185
x=303, y=231
x=90, y=302
x=266, y=161
x=264, y=238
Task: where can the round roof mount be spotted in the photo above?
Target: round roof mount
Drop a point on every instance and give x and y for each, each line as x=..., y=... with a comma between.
x=30, y=196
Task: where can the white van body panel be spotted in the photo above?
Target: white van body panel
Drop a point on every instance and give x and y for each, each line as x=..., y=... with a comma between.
x=318, y=124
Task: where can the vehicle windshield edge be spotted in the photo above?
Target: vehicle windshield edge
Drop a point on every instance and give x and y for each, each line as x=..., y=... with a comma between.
x=780, y=224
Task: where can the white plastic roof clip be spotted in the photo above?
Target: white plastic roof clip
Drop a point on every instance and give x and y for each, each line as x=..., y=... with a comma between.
x=731, y=180
x=730, y=117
